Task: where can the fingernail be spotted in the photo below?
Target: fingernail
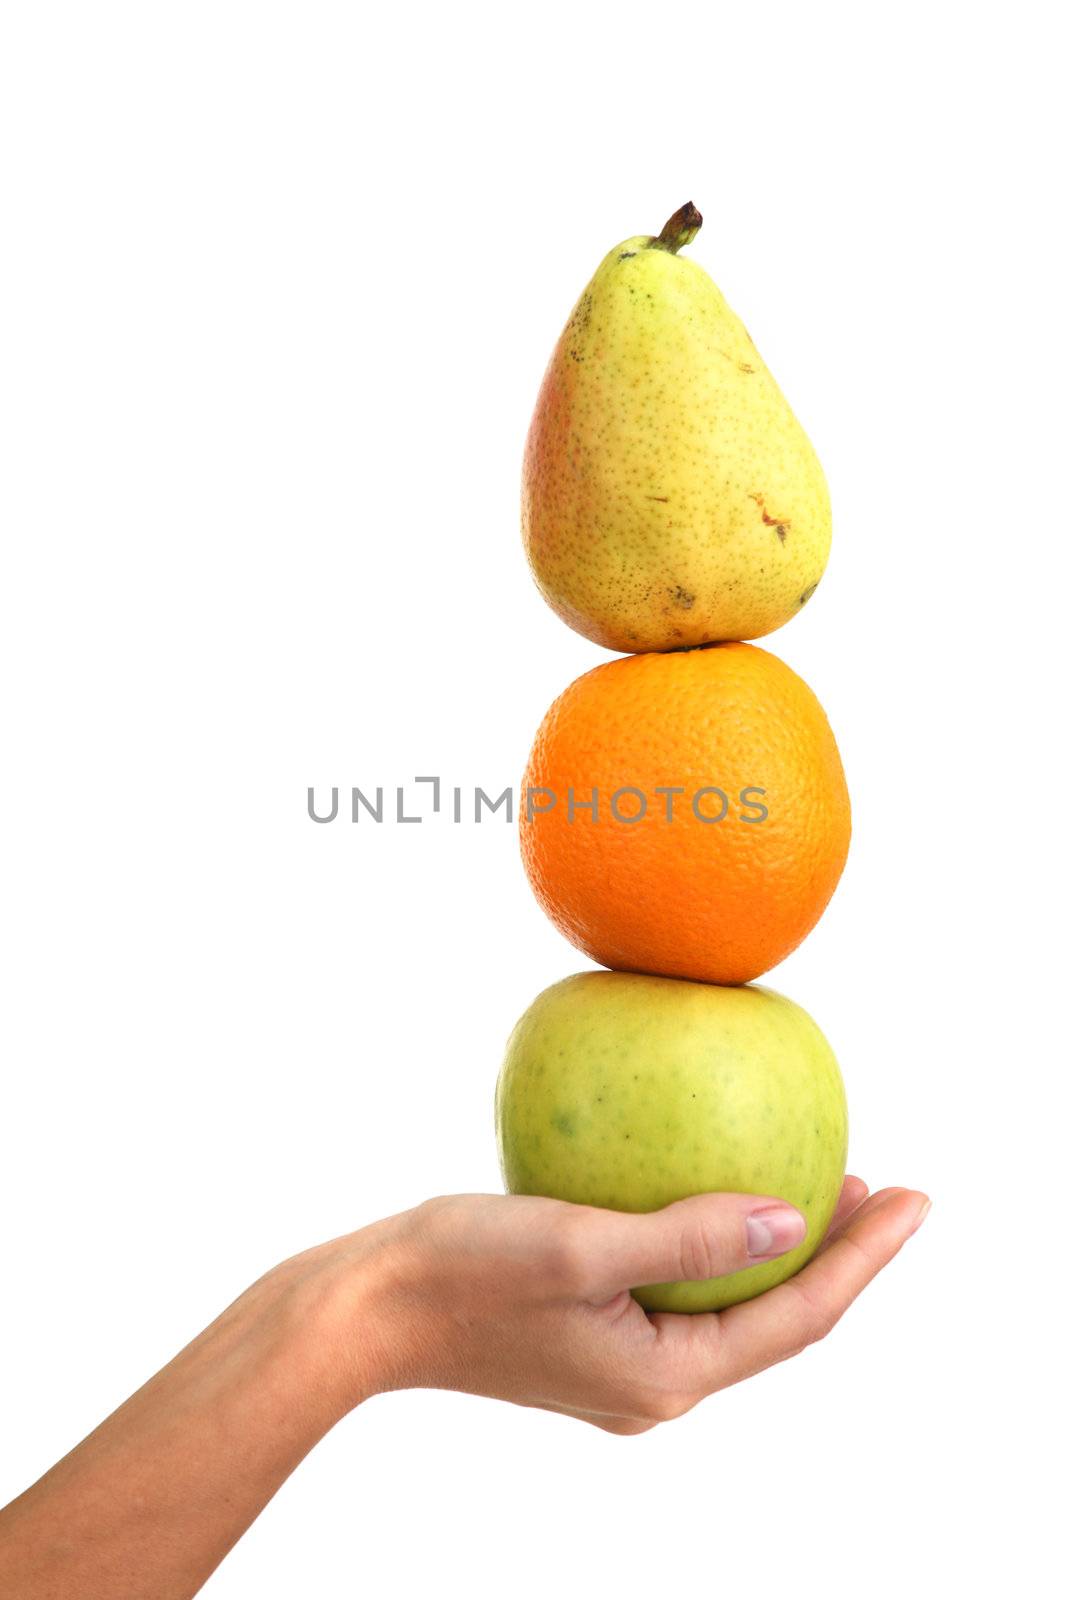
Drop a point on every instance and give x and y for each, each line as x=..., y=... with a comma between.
x=921, y=1218
x=774, y=1230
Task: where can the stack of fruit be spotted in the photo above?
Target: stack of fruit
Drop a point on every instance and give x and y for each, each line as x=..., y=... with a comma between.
x=685, y=817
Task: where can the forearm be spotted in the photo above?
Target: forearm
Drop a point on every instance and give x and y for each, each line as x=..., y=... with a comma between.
x=526, y=1299
x=148, y=1504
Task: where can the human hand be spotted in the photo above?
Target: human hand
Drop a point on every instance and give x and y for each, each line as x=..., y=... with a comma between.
x=525, y=1299
x=528, y=1299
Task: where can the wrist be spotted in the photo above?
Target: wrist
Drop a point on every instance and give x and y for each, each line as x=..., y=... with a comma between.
x=350, y=1307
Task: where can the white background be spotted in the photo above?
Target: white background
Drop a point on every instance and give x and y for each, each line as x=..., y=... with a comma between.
x=280, y=283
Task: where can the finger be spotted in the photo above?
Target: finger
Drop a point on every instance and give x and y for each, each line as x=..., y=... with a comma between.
x=783, y=1321
x=702, y=1237
x=865, y=1208
x=853, y=1193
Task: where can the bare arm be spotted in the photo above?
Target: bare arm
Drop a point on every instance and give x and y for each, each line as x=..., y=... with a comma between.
x=151, y=1501
x=519, y=1298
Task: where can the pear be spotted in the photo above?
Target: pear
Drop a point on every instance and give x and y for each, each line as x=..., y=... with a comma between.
x=670, y=498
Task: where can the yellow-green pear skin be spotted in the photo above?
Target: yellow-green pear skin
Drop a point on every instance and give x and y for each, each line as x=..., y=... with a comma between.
x=670, y=498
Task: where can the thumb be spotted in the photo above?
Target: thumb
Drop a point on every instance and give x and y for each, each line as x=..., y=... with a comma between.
x=706, y=1236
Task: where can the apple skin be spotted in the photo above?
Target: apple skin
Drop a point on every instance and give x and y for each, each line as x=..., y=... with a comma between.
x=630, y=1092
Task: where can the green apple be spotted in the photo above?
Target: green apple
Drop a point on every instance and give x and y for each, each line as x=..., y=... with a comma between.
x=629, y=1092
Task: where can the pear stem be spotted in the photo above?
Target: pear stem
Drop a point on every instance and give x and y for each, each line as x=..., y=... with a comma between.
x=679, y=230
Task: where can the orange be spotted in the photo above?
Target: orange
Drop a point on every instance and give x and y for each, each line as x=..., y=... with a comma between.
x=686, y=813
